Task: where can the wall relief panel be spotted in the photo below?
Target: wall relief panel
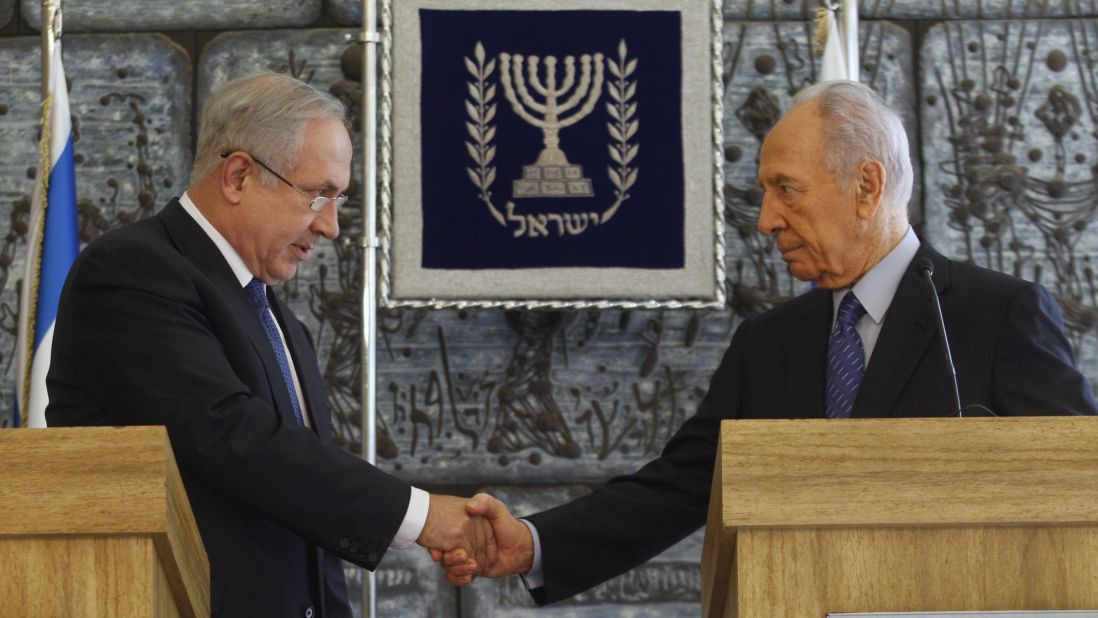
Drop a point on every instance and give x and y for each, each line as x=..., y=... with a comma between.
x=916, y=9
x=1010, y=127
x=409, y=583
x=7, y=11
x=345, y=12
x=105, y=15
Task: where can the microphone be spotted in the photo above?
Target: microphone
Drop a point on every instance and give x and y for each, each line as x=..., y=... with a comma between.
x=925, y=267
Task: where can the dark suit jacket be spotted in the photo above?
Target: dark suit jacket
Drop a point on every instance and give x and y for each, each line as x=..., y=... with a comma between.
x=153, y=328
x=1010, y=353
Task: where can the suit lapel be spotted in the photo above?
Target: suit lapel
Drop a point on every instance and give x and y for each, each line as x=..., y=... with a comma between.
x=193, y=243
x=196, y=246
x=308, y=373
x=906, y=335
x=806, y=373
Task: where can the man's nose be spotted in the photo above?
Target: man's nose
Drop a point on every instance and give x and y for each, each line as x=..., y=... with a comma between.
x=326, y=222
x=770, y=220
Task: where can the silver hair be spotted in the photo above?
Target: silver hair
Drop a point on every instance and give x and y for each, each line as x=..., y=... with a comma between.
x=263, y=114
x=859, y=127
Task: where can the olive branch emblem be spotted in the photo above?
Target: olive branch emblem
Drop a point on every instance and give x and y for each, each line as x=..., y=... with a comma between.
x=623, y=128
x=481, y=111
x=480, y=108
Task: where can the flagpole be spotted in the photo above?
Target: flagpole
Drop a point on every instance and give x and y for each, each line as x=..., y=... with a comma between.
x=850, y=38
x=48, y=43
x=28, y=305
x=370, y=38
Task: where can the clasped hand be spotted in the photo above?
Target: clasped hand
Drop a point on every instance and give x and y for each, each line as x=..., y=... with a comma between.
x=475, y=537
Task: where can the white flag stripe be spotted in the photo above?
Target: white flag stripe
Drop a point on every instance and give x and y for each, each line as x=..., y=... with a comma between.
x=38, y=398
x=60, y=120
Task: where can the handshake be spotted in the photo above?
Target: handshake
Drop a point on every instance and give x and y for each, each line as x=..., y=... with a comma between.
x=476, y=536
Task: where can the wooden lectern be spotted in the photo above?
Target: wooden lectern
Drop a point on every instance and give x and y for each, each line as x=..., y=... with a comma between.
x=809, y=517
x=94, y=521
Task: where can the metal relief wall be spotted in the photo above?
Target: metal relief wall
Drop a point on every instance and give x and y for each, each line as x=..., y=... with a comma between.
x=1000, y=98
x=1010, y=125
x=110, y=16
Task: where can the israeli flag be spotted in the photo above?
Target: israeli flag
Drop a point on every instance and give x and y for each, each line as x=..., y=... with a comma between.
x=52, y=245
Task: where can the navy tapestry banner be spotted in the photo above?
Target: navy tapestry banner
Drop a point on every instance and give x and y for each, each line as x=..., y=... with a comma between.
x=551, y=139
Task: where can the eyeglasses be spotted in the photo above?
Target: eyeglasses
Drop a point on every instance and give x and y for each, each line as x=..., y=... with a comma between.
x=316, y=204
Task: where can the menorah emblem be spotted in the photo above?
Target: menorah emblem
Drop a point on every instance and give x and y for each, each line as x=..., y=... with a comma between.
x=551, y=175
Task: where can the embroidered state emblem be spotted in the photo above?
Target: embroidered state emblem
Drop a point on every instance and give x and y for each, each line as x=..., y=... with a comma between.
x=557, y=101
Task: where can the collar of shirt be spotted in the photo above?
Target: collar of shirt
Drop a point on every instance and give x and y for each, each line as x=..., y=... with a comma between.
x=236, y=263
x=876, y=289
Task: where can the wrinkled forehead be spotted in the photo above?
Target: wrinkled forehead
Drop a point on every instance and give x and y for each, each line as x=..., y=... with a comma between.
x=800, y=125
x=799, y=136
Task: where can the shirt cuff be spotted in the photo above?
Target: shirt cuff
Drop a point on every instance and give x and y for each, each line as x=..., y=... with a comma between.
x=534, y=578
x=414, y=520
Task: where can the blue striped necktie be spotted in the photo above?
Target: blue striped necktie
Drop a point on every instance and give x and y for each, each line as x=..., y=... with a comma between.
x=845, y=359
x=257, y=292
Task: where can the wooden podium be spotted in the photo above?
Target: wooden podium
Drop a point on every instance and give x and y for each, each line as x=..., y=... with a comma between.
x=95, y=522
x=809, y=517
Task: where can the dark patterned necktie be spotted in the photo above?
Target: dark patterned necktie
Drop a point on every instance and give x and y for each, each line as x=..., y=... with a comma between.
x=845, y=359
x=257, y=292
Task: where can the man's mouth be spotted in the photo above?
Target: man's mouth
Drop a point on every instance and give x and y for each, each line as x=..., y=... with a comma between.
x=302, y=251
x=787, y=250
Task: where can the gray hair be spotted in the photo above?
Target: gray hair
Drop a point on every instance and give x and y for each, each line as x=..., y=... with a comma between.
x=860, y=127
x=263, y=114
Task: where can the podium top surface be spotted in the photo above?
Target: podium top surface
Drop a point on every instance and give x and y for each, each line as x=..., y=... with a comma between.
x=87, y=480
x=917, y=471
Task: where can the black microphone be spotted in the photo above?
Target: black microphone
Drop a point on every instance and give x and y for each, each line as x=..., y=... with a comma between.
x=925, y=267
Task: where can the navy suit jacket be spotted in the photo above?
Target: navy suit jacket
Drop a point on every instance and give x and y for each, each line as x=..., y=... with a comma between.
x=1010, y=353
x=153, y=328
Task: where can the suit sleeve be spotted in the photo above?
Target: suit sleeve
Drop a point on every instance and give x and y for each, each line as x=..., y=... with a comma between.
x=135, y=335
x=1034, y=372
x=633, y=518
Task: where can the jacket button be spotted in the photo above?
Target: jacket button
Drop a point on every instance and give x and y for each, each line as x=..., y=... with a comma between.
x=372, y=558
x=309, y=613
x=344, y=543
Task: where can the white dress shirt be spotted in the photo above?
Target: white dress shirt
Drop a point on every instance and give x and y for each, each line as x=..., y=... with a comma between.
x=416, y=515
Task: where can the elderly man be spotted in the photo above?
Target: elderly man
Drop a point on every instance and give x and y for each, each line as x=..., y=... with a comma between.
x=170, y=321
x=864, y=343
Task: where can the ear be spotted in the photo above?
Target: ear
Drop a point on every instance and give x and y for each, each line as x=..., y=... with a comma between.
x=869, y=179
x=235, y=174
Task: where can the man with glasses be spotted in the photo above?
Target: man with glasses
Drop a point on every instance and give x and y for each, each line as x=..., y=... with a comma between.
x=170, y=321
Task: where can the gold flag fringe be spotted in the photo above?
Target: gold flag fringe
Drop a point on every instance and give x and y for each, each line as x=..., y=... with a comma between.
x=819, y=37
x=36, y=235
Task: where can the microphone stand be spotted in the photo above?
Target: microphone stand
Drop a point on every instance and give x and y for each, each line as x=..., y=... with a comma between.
x=926, y=270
